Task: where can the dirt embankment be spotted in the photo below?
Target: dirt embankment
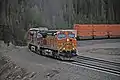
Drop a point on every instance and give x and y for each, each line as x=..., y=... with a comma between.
x=10, y=70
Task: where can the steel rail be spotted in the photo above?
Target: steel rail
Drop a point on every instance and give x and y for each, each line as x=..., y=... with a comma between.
x=98, y=64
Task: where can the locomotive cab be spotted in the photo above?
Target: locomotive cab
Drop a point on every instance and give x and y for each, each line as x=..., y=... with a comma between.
x=67, y=43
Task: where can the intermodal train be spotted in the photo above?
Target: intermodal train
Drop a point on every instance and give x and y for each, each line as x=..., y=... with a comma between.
x=60, y=44
x=97, y=31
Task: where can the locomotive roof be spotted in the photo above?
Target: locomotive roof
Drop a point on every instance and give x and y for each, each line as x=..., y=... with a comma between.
x=55, y=31
x=37, y=29
x=63, y=30
x=51, y=31
x=67, y=30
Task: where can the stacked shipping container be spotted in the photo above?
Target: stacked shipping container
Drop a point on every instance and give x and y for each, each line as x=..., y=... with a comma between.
x=95, y=31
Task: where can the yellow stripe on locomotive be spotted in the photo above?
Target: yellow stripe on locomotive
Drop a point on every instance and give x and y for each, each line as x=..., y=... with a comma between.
x=66, y=41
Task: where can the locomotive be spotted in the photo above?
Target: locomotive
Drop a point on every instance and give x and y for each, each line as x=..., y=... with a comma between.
x=59, y=44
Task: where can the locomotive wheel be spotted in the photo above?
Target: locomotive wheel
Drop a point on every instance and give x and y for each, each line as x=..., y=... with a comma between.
x=29, y=47
x=40, y=52
x=61, y=58
x=36, y=50
x=43, y=52
x=54, y=54
x=68, y=59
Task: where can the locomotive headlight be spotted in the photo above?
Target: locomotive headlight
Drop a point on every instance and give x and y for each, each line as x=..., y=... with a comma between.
x=67, y=39
x=63, y=48
x=73, y=48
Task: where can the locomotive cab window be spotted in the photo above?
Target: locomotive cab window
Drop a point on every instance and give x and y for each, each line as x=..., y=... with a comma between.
x=61, y=36
x=71, y=35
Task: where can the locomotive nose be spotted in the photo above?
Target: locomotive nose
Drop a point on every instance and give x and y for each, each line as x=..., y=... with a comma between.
x=69, y=45
x=69, y=40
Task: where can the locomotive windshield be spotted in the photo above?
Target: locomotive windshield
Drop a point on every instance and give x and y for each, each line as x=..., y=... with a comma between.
x=71, y=35
x=61, y=36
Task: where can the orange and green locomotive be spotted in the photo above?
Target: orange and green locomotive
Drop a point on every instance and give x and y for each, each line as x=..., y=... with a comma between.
x=60, y=44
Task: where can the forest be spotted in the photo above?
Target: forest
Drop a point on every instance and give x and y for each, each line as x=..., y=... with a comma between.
x=17, y=16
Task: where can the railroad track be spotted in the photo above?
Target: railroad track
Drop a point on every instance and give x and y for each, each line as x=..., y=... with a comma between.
x=103, y=65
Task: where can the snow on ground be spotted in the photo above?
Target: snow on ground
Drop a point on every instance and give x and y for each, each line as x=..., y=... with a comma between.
x=104, y=49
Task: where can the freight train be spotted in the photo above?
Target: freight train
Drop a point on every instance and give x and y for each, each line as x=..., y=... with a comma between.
x=59, y=44
x=97, y=31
